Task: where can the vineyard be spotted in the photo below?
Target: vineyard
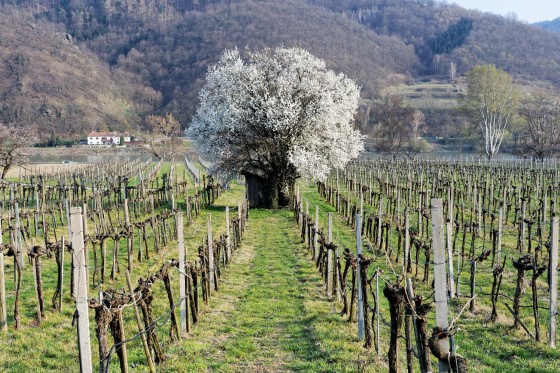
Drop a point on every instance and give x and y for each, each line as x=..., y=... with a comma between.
x=122, y=218
x=374, y=269
x=463, y=253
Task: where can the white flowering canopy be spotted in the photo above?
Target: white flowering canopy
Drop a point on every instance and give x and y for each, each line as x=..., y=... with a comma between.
x=281, y=114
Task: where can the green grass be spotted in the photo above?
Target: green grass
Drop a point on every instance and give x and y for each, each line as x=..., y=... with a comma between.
x=489, y=347
x=272, y=314
x=428, y=95
x=52, y=346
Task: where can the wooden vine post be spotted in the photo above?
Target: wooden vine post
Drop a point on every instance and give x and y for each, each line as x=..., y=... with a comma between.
x=129, y=234
x=61, y=274
x=379, y=224
x=82, y=311
x=553, y=286
x=210, y=254
x=359, y=282
x=182, y=277
x=500, y=227
x=306, y=233
x=406, y=259
x=3, y=312
x=18, y=238
x=449, y=229
x=228, y=235
x=139, y=323
x=239, y=221
x=316, y=235
x=440, y=280
x=86, y=250
x=330, y=261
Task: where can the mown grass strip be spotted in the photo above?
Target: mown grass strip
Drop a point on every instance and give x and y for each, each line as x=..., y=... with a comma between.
x=272, y=314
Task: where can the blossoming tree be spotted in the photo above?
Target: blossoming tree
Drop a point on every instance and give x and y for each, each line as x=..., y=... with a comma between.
x=275, y=117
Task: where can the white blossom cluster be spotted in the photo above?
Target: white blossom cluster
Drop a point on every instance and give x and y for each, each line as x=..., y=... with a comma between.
x=281, y=104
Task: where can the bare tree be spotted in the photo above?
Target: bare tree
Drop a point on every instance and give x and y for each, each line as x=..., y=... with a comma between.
x=398, y=127
x=165, y=125
x=541, y=133
x=452, y=71
x=437, y=62
x=14, y=139
x=491, y=101
x=163, y=139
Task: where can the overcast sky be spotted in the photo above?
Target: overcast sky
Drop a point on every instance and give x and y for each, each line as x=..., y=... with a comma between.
x=526, y=10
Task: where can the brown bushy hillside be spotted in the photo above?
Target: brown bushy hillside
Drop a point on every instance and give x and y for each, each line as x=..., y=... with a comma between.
x=48, y=80
x=158, y=51
x=442, y=33
x=169, y=45
x=175, y=58
x=172, y=52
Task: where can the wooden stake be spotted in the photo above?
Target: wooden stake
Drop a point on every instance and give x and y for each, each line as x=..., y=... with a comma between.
x=406, y=258
x=500, y=227
x=210, y=254
x=3, y=314
x=123, y=350
x=36, y=283
x=306, y=238
x=228, y=235
x=440, y=280
x=316, y=235
x=61, y=274
x=86, y=250
x=182, y=273
x=129, y=238
x=553, y=286
x=18, y=238
x=360, y=290
x=330, y=261
x=139, y=323
x=82, y=311
x=379, y=223
x=239, y=220
x=449, y=229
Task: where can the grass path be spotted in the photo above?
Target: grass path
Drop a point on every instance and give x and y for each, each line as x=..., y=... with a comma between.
x=270, y=314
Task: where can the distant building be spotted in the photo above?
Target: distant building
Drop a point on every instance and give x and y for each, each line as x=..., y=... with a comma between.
x=108, y=138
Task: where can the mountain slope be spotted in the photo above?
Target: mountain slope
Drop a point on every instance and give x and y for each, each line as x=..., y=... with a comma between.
x=155, y=54
x=185, y=50
x=553, y=25
x=48, y=80
x=434, y=30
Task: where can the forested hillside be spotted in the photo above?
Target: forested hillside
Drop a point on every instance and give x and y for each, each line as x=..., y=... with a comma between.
x=154, y=54
x=441, y=33
x=49, y=80
x=553, y=25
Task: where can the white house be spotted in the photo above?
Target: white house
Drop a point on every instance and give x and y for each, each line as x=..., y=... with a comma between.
x=108, y=138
